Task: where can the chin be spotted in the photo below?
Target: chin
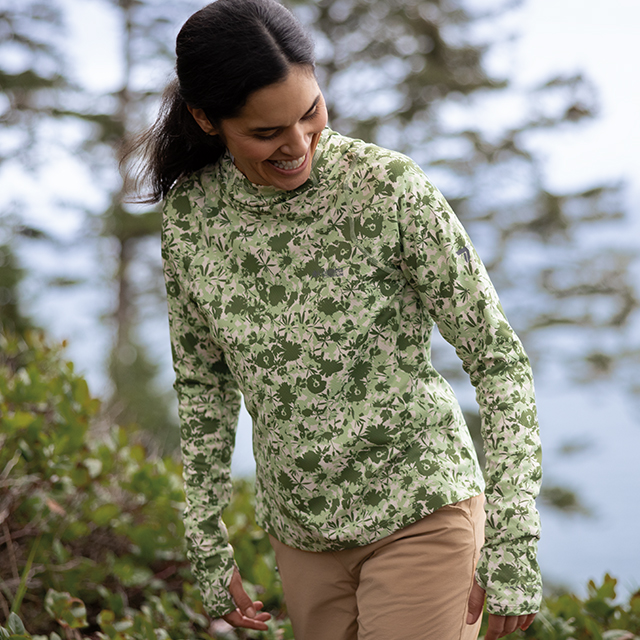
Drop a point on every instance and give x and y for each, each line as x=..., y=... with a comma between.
x=289, y=180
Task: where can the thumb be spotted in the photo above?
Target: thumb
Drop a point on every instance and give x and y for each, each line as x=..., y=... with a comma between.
x=476, y=602
x=240, y=596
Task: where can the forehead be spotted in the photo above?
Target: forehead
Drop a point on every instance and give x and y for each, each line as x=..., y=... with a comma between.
x=282, y=103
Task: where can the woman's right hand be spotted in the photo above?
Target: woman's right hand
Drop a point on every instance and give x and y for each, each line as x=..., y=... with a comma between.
x=247, y=614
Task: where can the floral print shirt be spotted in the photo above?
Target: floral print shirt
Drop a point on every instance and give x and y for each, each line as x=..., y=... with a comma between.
x=317, y=305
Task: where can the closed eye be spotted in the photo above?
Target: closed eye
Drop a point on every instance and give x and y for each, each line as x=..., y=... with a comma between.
x=312, y=113
x=269, y=134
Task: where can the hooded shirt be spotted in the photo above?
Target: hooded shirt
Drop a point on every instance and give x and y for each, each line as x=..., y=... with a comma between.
x=317, y=305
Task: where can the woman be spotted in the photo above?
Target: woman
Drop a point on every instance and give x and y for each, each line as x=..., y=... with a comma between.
x=306, y=270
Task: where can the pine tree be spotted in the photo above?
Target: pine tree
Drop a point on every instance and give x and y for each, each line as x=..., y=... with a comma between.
x=411, y=75
x=31, y=81
x=147, y=35
x=123, y=239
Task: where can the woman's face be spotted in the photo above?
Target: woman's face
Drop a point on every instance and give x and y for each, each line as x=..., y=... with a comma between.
x=274, y=137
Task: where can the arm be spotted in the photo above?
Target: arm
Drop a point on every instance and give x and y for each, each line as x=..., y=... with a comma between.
x=209, y=405
x=441, y=264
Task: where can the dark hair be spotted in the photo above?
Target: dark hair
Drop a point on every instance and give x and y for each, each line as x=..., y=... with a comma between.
x=225, y=52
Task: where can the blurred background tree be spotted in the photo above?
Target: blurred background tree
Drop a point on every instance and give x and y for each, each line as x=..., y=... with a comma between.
x=410, y=75
x=31, y=81
x=42, y=104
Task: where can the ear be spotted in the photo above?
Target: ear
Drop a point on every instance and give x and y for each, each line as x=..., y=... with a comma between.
x=203, y=122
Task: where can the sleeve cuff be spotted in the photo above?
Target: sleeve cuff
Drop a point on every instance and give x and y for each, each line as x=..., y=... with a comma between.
x=511, y=578
x=215, y=595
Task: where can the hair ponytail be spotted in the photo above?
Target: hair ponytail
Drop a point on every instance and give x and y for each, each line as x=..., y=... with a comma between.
x=173, y=147
x=225, y=52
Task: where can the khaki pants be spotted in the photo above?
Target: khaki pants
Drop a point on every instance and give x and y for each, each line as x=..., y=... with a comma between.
x=411, y=585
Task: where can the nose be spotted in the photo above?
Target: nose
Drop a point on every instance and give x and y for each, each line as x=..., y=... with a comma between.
x=296, y=142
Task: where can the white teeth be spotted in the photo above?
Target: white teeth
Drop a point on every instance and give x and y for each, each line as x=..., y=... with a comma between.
x=288, y=164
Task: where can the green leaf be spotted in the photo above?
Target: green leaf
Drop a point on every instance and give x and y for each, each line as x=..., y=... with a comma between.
x=80, y=476
x=106, y=617
x=76, y=529
x=81, y=392
x=104, y=514
x=15, y=624
x=138, y=453
x=67, y=610
x=19, y=420
x=22, y=587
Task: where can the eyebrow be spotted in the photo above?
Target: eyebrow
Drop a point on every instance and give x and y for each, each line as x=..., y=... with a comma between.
x=309, y=110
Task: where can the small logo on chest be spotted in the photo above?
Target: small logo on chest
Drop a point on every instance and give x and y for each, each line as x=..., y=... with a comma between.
x=328, y=273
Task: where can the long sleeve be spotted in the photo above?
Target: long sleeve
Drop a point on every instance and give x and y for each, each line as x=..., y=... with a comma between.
x=324, y=299
x=209, y=405
x=442, y=265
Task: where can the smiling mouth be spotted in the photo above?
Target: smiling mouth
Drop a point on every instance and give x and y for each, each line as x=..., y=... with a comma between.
x=288, y=165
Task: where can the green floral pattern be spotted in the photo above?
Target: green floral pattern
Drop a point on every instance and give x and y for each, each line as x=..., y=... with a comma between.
x=317, y=305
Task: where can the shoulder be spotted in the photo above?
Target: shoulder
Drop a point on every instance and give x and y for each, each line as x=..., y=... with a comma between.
x=371, y=174
x=187, y=195
x=181, y=215
x=369, y=168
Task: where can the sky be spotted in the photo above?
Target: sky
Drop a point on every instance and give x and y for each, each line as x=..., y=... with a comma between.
x=598, y=38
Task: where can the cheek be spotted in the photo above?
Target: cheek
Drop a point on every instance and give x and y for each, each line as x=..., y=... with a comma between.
x=321, y=126
x=255, y=154
x=323, y=117
x=261, y=150
x=250, y=151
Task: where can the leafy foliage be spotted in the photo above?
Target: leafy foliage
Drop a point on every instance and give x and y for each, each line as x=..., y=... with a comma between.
x=597, y=617
x=91, y=525
x=91, y=539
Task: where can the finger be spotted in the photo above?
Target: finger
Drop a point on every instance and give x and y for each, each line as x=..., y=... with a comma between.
x=236, y=619
x=528, y=620
x=476, y=602
x=511, y=623
x=262, y=616
x=240, y=596
x=257, y=605
x=495, y=628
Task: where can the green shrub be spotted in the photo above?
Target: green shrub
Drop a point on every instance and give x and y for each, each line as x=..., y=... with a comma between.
x=95, y=517
x=598, y=617
x=91, y=533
